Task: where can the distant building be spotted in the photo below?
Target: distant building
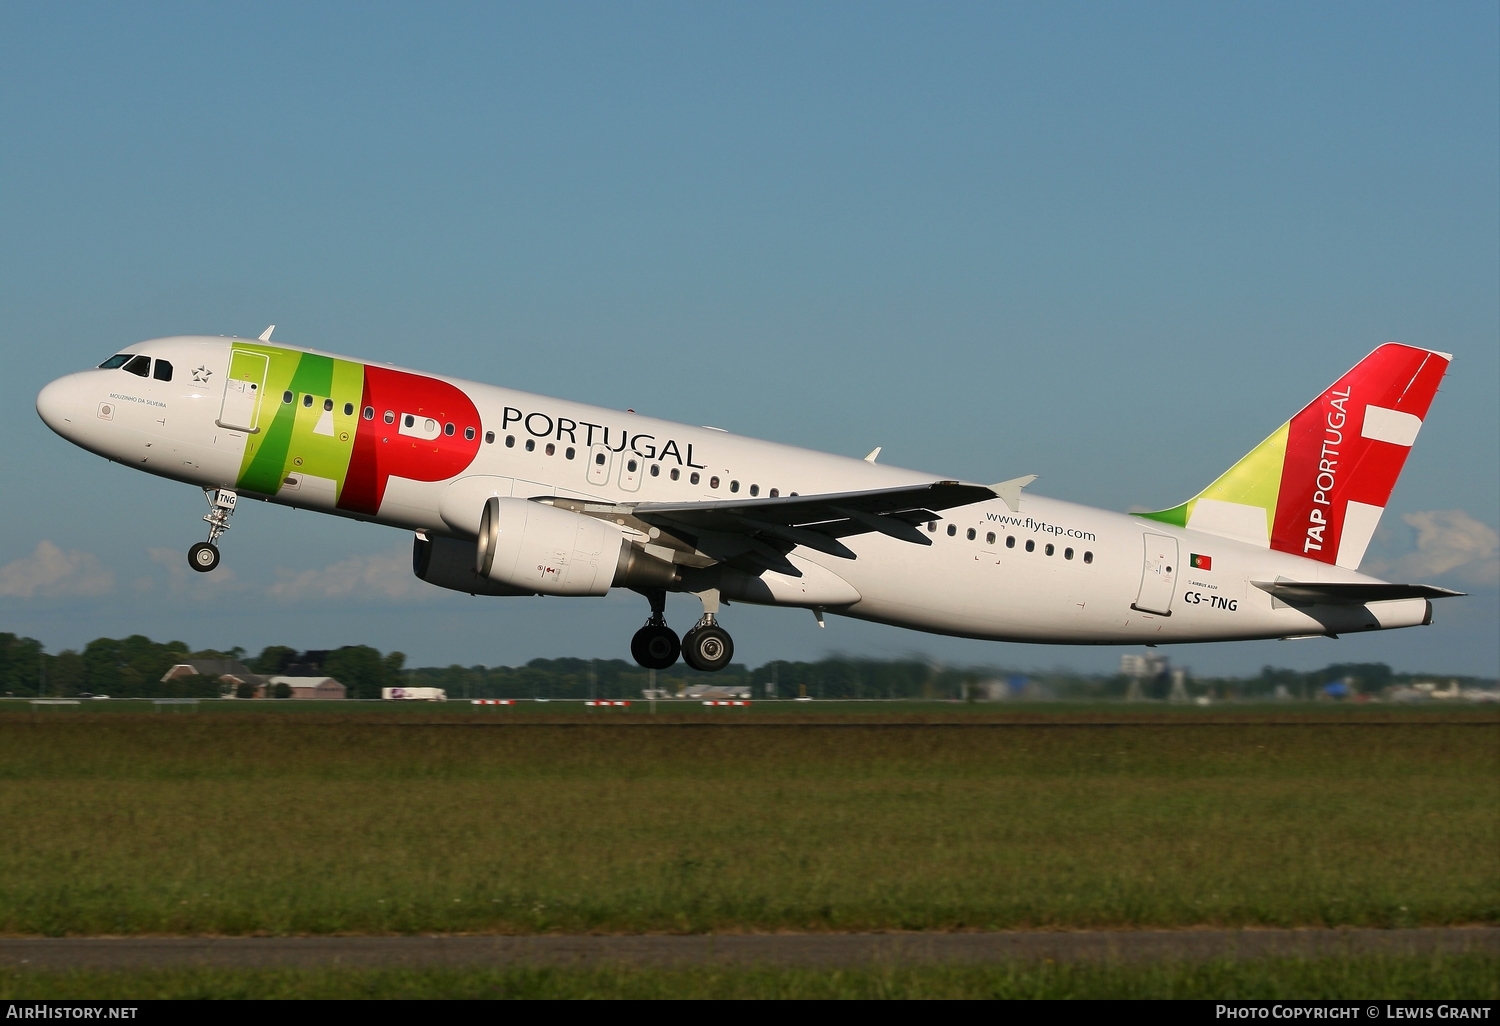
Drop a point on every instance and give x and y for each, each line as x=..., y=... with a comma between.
x=320, y=688
x=230, y=673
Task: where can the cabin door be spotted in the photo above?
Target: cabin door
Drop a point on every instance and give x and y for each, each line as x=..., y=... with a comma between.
x=1158, y=575
x=243, y=387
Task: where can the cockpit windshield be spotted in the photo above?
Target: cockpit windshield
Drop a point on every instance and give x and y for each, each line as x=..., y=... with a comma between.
x=114, y=361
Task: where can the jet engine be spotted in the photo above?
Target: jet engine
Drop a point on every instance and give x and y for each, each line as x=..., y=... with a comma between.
x=537, y=547
x=449, y=563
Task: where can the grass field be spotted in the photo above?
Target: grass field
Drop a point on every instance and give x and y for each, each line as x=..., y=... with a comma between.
x=941, y=817
x=1472, y=977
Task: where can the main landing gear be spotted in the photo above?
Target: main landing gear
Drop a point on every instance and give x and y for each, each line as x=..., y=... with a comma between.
x=655, y=646
x=204, y=555
x=706, y=647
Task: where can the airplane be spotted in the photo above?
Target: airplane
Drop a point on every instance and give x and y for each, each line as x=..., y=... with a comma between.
x=513, y=494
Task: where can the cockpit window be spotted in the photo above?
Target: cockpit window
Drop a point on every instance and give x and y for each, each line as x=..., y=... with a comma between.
x=138, y=365
x=114, y=361
x=162, y=371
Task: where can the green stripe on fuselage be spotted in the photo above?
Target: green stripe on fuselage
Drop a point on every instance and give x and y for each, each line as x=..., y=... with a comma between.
x=289, y=441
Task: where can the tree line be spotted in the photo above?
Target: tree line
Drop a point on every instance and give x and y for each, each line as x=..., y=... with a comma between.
x=133, y=667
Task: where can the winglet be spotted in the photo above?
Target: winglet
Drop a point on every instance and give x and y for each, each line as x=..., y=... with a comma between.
x=873, y=453
x=1010, y=491
x=265, y=336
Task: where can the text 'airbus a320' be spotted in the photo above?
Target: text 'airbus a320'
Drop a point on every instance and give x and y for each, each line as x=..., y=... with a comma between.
x=514, y=494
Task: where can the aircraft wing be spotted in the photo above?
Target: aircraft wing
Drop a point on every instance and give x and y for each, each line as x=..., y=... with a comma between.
x=1350, y=594
x=816, y=521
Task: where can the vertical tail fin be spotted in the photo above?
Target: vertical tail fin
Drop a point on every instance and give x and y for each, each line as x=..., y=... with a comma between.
x=1318, y=485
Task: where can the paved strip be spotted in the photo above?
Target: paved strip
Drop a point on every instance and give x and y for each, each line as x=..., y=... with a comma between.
x=805, y=950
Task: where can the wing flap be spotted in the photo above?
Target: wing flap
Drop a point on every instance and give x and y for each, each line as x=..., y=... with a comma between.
x=817, y=521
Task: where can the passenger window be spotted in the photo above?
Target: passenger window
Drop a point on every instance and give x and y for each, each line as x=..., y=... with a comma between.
x=675, y=474
x=390, y=415
x=348, y=409
x=656, y=470
x=307, y=403
x=551, y=448
x=989, y=539
x=369, y=413
x=489, y=438
x=115, y=362
x=754, y=490
x=1030, y=545
x=570, y=452
x=773, y=493
x=468, y=434
x=1067, y=553
x=162, y=371
x=409, y=420
x=971, y=534
x=734, y=486
x=713, y=482
x=448, y=429
x=952, y=530
x=531, y=445
x=139, y=365
x=693, y=477
x=327, y=405
x=598, y=459
x=287, y=397
x=932, y=526
x=1088, y=557
x=1049, y=549
x=510, y=441
x=631, y=466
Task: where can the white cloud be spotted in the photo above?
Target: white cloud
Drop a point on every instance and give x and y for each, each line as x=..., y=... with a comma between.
x=50, y=572
x=385, y=577
x=1448, y=542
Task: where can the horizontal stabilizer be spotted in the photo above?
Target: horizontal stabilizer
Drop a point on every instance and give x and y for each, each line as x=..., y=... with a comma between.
x=1350, y=594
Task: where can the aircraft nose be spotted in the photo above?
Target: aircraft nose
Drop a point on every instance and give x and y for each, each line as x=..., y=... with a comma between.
x=57, y=405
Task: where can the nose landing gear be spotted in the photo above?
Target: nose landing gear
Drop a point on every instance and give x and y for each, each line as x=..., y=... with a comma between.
x=655, y=646
x=204, y=556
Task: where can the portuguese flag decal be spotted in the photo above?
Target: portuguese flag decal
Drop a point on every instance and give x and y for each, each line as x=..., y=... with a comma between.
x=1198, y=562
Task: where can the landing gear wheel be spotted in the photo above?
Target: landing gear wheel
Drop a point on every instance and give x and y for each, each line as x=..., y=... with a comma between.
x=708, y=648
x=203, y=557
x=655, y=646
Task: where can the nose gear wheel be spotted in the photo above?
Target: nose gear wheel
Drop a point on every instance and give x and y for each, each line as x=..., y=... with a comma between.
x=203, y=557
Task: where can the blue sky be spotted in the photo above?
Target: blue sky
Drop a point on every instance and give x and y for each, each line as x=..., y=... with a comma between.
x=1114, y=245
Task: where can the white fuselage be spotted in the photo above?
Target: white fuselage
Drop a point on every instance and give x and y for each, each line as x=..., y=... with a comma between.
x=1048, y=571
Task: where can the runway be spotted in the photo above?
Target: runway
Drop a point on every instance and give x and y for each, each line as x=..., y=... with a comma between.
x=826, y=950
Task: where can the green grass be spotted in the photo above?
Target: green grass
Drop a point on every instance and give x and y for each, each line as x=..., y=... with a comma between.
x=1451, y=977
x=319, y=823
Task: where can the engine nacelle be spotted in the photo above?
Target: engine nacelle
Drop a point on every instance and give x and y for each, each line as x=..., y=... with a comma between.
x=536, y=547
x=449, y=563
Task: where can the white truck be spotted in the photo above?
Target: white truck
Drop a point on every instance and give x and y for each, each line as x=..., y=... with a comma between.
x=414, y=694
